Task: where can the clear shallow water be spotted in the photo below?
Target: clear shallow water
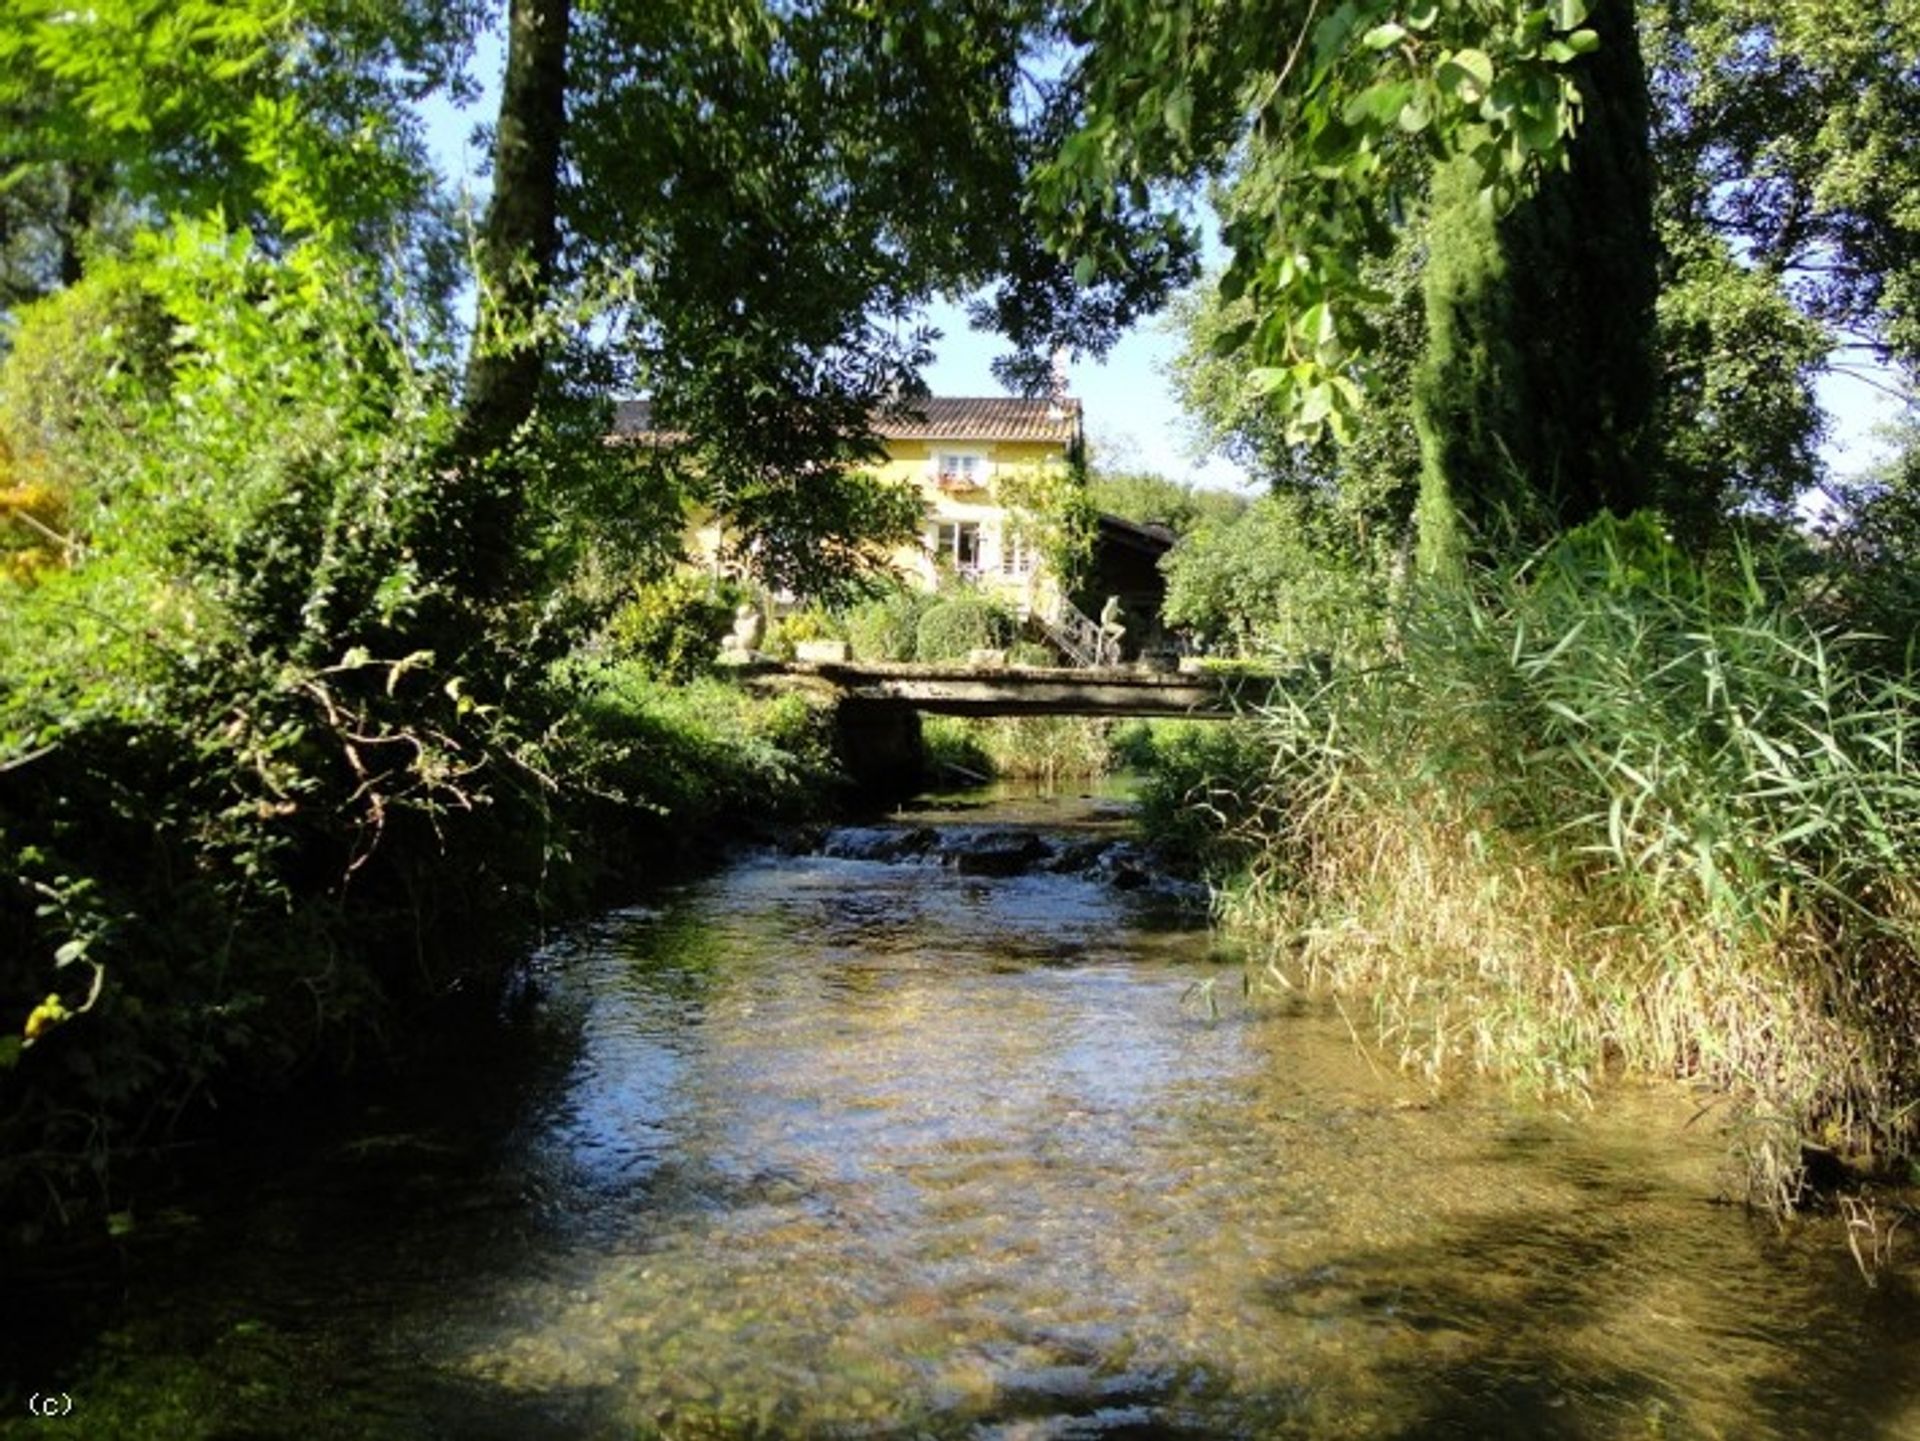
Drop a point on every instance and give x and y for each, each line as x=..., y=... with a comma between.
x=827, y=1147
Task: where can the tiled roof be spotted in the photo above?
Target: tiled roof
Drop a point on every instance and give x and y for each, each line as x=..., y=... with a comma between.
x=937, y=417
x=996, y=417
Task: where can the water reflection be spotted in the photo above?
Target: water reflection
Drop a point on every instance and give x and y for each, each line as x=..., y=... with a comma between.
x=920, y=1153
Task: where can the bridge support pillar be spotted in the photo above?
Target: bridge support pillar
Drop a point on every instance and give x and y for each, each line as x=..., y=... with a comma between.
x=879, y=744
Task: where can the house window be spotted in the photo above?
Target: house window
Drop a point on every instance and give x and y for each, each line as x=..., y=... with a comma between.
x=953, y=471
x=958, y=544
x=1016, y=555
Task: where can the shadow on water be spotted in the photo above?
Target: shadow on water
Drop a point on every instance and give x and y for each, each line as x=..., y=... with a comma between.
x=1521, y=1325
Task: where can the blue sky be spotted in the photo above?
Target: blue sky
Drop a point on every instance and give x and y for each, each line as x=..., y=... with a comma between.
x=1132, y=417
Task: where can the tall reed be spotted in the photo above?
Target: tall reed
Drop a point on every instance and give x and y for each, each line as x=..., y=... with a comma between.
x=1604, y=811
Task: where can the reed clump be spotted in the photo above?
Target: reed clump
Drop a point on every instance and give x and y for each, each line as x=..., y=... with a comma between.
x=1612, y=811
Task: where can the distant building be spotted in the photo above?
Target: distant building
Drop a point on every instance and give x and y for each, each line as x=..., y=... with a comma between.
x=960, y=453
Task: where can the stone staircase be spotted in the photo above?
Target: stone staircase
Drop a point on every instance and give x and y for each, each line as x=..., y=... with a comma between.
x=1077, y=637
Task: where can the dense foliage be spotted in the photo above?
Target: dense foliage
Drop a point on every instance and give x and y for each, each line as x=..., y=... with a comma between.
x=1286, y=578
x=1625, y=793
x=1535, y=392
x=1148, y=499
x=294, y=569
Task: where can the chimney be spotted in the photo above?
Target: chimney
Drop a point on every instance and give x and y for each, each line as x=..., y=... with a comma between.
x=1057, y=387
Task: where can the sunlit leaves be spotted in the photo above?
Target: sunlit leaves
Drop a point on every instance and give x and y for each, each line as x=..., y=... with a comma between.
x=1334, y=122
x=1788, y=126
x=295, y=116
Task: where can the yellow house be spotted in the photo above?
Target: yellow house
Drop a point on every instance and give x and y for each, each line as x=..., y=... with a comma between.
x=970, y=459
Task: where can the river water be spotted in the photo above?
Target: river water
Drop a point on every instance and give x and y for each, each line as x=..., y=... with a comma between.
x=823, y=1146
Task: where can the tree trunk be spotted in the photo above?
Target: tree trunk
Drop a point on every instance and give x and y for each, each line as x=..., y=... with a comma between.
x=76, y=221
x=519, y=242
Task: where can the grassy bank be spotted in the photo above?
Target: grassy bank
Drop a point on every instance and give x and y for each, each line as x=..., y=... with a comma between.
x=679, y=757
x=212, y=948
x=1609, y=812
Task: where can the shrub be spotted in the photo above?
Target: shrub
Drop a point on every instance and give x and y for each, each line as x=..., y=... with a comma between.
x=810, y=624
x=1207, y=792
x=673, y=626
x=237, y=795
x=1048, y=749
x=689, y=753
x=886, y=627
x=954, y=749
x=958, y=623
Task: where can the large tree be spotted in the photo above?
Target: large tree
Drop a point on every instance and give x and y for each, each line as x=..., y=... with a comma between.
x=1332, y=122
x=1535, y=397
x=774, y=192
x=1792, y=129
x=1335, y=126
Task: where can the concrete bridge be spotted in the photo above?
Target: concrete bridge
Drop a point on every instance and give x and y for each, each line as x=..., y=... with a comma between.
x=879, y=705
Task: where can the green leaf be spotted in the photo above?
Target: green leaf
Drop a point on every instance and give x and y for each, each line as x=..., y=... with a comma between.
x=1539, y=131
x=1178, y=114
x=1233, y=339
x=1415, y=115
x=1567, y=14
x=1316, y=327
x=1583, y=42
x=1384, y=37
x=1315, y=405
x=1467, y=73
x=1501, y=100
x=1267, y=379
x=1378, y=104
x=1425, y=16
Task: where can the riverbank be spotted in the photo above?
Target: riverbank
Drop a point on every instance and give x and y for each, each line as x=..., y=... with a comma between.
x=1611, y=812
x=235, y=986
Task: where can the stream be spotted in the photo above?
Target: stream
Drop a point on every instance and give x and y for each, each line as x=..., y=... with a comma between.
x=873, y=1142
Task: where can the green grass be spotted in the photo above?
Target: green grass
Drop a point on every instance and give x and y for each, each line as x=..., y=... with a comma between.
x=692, y=753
